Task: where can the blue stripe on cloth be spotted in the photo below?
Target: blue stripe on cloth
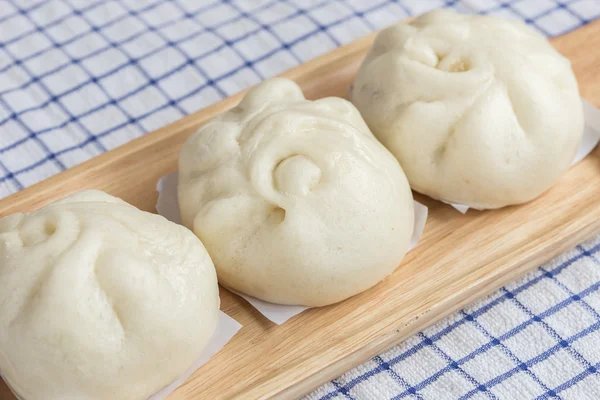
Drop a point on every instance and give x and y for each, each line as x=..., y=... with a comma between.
x=50, y=94
x=173, y=44
x=508, y=295
x=325, y=21
x=9, y=176
x=341, y=390
x=214, y=31
x=551, y=331
x=407, y=386
x=265, y=28
x=74, y=39
x=321, y=28
x=163, y=76
x=130, y=62
x=564, y=343
x=579, y=377
x=452, y=366
x=543, y=356
x=29, y=9
x=139, y=89
x=534, y=20
x=497, y=342
x=25, y=11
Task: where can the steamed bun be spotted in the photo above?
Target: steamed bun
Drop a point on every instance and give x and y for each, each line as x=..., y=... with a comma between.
x=478, y=110
x=99, y=300
x=295, y=200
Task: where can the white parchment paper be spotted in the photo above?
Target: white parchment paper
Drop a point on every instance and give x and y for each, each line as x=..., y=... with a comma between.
x=168, y=207
x=277, y=313
x=591, y=137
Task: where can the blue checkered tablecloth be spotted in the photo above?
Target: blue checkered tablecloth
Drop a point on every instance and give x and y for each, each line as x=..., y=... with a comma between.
x=80, y=77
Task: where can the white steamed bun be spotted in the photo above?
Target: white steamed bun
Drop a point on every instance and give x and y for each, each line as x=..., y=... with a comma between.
x=295, y=200
x=478, y=110
x=99, y=300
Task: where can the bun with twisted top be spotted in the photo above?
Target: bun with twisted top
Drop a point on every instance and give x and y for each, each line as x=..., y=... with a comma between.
x=295, y=200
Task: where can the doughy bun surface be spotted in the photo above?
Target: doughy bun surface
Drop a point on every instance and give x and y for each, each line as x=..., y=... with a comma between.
x=99, y=300
x=478, y=110
x=295, y=200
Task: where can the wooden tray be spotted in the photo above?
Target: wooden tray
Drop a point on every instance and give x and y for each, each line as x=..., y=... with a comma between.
x=459, y=259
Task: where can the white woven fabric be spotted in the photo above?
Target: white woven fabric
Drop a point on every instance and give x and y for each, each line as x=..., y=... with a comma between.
x=78, y=78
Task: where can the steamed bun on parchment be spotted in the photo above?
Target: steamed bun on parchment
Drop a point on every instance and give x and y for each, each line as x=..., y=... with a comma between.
x=295, y=200
x=99, y=300
x=478, y=110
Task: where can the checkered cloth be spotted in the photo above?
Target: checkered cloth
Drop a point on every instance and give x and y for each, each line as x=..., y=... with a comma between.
x=78, y=78
x=537, y=338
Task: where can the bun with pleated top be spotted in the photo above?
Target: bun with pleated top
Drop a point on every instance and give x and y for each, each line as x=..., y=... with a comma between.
x=478, y=110
x=99, y=300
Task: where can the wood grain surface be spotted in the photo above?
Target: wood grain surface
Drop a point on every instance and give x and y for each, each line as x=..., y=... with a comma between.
x=459, y=259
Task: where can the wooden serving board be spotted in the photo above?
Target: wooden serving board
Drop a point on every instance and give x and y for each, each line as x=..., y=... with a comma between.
x=459, y=259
